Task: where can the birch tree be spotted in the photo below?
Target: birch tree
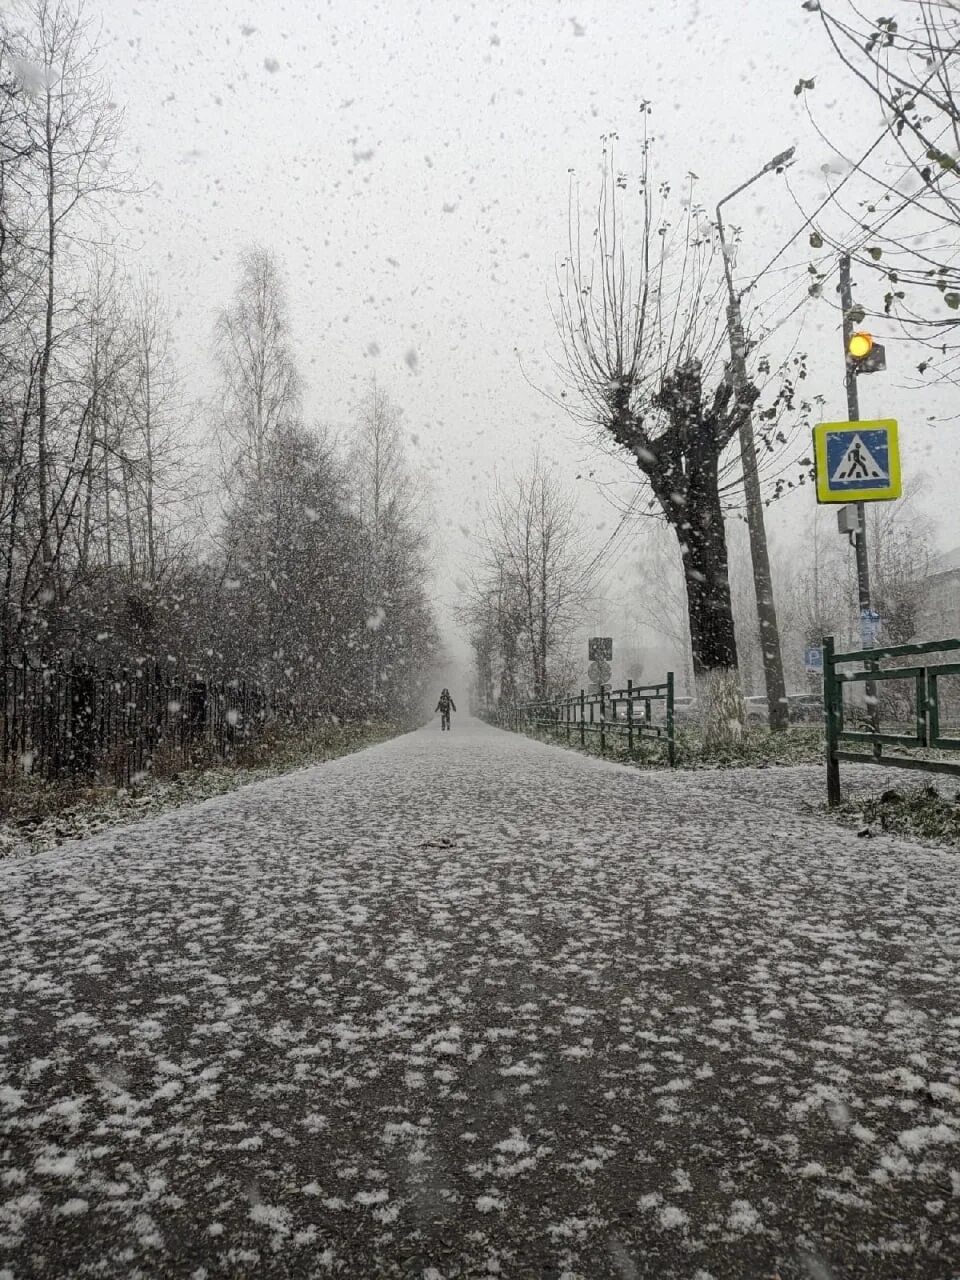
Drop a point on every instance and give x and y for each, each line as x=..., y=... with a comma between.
x=260, y=397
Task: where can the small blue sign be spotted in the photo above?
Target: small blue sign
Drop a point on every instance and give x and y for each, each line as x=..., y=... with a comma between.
x=813, y=658
x=870, y=624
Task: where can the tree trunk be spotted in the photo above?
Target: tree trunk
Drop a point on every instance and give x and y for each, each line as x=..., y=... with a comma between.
x=128, y=520
x=703, y=548
x=11, y=548
x=47, y=350
x=148, y=479
x=544, y=585
x=700, y=531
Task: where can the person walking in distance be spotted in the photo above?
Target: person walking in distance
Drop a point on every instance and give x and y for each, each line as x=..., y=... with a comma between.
x=445, y=706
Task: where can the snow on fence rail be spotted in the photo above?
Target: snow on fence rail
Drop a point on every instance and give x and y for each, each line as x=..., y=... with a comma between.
x=65, y=719
x=624, y=713
x=930, y=709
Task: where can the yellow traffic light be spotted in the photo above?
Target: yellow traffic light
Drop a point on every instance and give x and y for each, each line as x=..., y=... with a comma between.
x=860, y=345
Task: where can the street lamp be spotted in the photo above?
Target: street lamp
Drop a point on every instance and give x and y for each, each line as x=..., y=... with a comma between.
x=766, y=609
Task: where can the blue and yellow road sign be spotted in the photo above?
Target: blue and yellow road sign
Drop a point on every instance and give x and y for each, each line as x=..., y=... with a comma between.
x=857, y=461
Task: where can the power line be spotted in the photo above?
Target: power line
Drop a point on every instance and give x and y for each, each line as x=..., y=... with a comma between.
x=819, y=209
x=832, y=195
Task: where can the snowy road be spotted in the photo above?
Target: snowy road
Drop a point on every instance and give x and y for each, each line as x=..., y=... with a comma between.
x=467, y=1005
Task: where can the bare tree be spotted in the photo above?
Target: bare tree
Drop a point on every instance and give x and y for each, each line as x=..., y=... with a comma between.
x=161, y=477
x=260, y=398
x=58, y=167
x=391, y=506
x=260, y=383
x=643, y=338
x=73, y=122
x=901, y=537
x=820, y=590
x=534, y=580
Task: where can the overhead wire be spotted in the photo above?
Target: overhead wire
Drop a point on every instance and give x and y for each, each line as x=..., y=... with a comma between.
x=769, y=330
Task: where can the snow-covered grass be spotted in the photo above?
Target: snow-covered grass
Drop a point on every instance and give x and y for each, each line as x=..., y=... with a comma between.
x=800, y=744
x=37, y=815
x=929, y=812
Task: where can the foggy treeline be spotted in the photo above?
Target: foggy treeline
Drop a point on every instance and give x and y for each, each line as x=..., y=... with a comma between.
x=293, y=559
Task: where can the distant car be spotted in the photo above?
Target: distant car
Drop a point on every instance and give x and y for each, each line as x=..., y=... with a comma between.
x=756, y=709
x=804, y=708
x=685, y=708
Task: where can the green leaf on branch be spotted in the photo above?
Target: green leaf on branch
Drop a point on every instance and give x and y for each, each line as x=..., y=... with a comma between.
x=801, y=85
x=856, y=315
x=942, y=159
x=952, y=300
x=816, y=240
x=875, y=253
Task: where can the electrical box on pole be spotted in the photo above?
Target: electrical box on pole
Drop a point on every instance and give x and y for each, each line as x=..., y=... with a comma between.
x=848, y=519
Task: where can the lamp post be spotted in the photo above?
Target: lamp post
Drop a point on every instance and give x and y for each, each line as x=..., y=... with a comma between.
x=766, y=609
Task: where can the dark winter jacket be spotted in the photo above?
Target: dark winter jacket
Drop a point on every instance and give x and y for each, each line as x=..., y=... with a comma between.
x=446, y=703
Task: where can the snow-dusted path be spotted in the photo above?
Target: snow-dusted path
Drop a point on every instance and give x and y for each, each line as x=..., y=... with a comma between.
x=467, y=1005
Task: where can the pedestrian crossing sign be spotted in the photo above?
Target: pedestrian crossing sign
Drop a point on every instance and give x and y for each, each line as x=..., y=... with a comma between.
x=857, y=461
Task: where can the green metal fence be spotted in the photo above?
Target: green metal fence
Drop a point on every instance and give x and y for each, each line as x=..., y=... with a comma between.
x=927, y=707
x=616, y=713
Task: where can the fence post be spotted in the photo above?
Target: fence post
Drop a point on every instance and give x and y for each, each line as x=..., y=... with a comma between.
x=671, y=745
x=926, y=697
x=583, y=727
x=603, y=718
x=831, y=691
x=630, y=717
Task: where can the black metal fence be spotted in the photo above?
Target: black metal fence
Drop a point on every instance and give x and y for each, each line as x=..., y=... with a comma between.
x=933, y=721
x=64, y=719
x=618, y=713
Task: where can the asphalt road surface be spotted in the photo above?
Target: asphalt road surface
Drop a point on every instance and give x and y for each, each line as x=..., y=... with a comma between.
x=467, y=1005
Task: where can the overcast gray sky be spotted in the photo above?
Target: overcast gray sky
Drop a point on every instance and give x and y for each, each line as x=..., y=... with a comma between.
x=409, y=164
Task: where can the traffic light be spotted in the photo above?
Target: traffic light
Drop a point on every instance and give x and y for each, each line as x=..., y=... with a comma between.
x=864, y=355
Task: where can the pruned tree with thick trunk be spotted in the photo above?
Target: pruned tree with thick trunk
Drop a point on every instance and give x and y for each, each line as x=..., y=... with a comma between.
x=642, y=331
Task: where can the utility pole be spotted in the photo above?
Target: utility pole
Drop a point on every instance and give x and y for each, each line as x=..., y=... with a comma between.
x=853, y=415
x=763, y=585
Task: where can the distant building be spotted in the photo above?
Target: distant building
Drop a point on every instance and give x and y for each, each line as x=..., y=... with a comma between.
x=938, y=609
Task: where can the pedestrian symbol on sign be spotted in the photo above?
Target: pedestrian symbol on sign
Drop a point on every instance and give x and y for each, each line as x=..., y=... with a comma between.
x=858, y=463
